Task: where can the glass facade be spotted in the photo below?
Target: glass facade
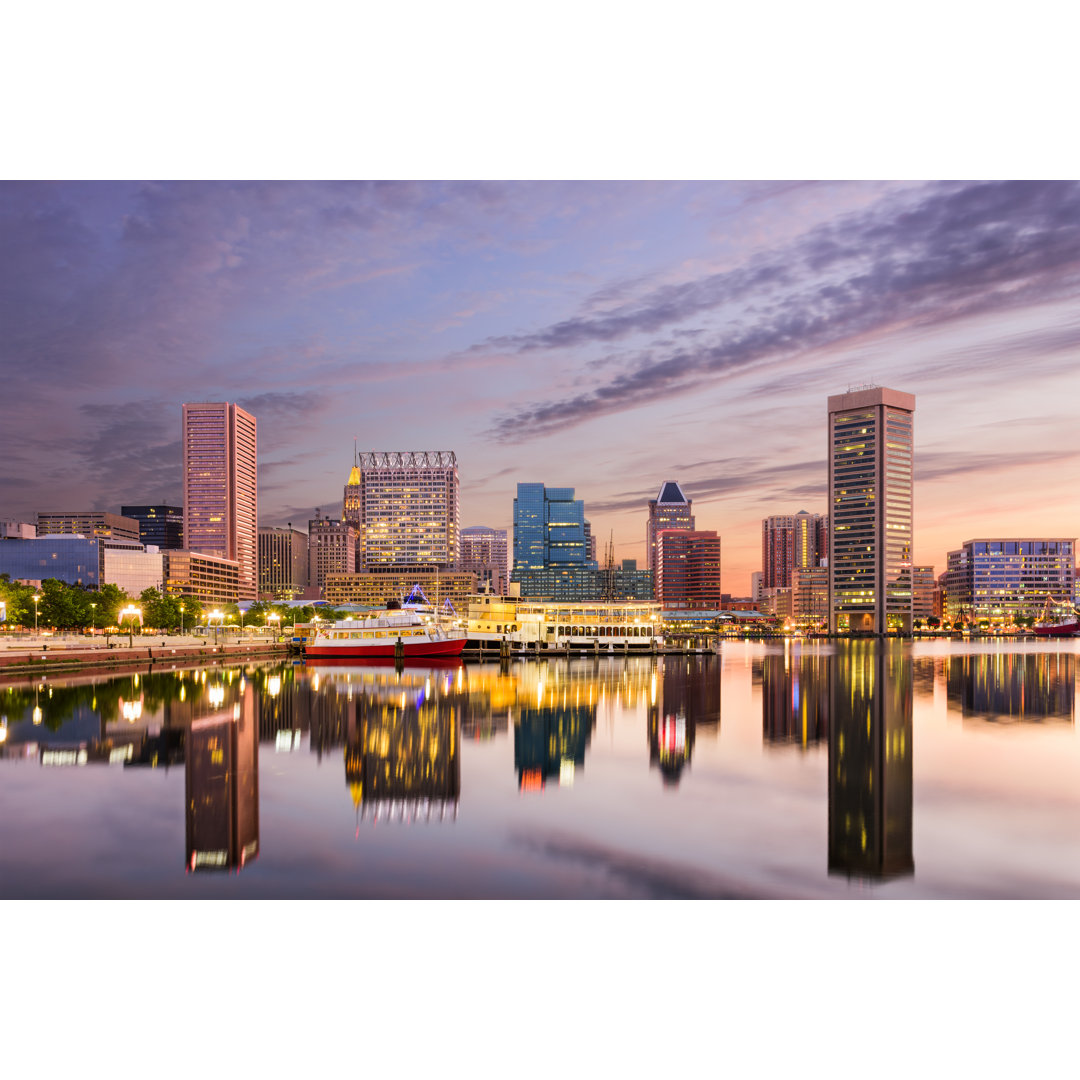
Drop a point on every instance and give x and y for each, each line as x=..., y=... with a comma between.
x=162, y=526
x=997, y=580
x=74, y=560
x=870, y=490
x=549, y=529
x=671, y=509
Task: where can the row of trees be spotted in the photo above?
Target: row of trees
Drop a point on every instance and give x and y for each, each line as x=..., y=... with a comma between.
x=71, y=607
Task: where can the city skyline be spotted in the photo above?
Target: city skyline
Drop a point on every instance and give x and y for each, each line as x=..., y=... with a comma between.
x=606, y=337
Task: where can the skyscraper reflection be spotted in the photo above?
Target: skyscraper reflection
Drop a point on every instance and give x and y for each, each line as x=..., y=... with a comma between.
x=682, y=698
x=401, y=735
x=795, y=697
x=221, y=787
x=1009, y=686
x=870, y=760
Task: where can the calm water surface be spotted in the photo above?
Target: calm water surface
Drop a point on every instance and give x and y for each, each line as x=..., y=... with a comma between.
x=861, y=771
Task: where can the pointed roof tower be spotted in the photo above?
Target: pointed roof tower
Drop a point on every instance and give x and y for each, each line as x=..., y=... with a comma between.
x=354, y=475
x=670, y=492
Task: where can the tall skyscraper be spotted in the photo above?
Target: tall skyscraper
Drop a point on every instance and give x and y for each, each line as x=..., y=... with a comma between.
x=870, y=454
x=407, y=506
x=669, y=510
x=483, y=552
x=791, y=542
x=221, y=487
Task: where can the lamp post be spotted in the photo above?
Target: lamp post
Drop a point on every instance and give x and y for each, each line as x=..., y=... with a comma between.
x=37, y=600
x=181, y=620
x=131, y=612
x=93, y=619
x=276, y=618
x=215, y=614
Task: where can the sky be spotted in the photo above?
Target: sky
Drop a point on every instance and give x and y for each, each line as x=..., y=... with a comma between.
x=606, y=336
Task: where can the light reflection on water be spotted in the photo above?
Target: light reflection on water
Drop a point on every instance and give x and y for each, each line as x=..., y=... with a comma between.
x=791, y=770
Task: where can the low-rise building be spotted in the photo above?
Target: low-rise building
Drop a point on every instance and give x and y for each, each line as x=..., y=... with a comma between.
x=207, y=578
x=95, y=524
x=75, y=560
x=994, y=581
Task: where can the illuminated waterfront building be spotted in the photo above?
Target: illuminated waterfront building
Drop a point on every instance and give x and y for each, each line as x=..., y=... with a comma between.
x=671, y=509
x=283, y=563
x=132, y=567
x=162, y=526
x=206, y=578
x=221, y=487
x=331, y=547
x=997, y=580
x=93, y=524
x=688, y=569
x=408, y=508
x=923, y=588
x=870, y=455
x=789, y=543
x=483, y=552
x=870, y=760
x=810, y=598
x=561, y=624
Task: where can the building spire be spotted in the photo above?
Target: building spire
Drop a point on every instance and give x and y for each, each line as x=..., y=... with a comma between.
x=354, y=475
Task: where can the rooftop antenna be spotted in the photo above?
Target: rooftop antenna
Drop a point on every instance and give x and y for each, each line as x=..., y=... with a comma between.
x=355, y=458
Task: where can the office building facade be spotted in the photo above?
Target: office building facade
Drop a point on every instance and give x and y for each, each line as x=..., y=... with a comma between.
x=996, y=580
x=484, y=552
x=221, y=503
x=791, y=542
x=671, y=509
x=206, y=578
x=162, y=526
x=283, y=563
x=923, y=588
x=17, y=530
x=688, y=569
x=132, y=567
x=331, y=550
x=407, y=506
x=870, y=456
x=549, y=529
x=93, y=524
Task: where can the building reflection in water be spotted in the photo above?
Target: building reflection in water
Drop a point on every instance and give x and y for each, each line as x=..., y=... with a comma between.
x=554, y=717
x=221, y=785
x=1004, y=687
x=400, y=731
x=794, y=696
x=870, y=760
x=684, y=695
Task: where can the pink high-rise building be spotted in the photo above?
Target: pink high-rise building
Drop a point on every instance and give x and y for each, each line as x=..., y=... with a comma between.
x=221, y=487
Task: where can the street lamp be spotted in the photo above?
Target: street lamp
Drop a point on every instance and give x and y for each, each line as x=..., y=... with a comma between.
x=181, y=620
x=131, y=612
x=93, y=619
x=37, y=600
x=215, y=614
x=276, y=618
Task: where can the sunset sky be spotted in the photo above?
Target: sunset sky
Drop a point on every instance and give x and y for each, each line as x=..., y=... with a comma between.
x=605, y=336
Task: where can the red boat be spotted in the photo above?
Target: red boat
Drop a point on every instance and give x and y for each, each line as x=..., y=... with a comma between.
x=1063, y=625
x=390, y=633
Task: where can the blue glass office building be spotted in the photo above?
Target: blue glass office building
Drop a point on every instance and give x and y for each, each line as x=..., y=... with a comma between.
x=549, y=529
x=71, y=559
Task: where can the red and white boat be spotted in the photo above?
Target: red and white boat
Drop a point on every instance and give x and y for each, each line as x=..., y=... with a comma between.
x=377, y=635
x=1060, y=625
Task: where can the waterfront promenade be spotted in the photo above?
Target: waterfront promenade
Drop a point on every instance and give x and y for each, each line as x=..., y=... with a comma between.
x=19, y=652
